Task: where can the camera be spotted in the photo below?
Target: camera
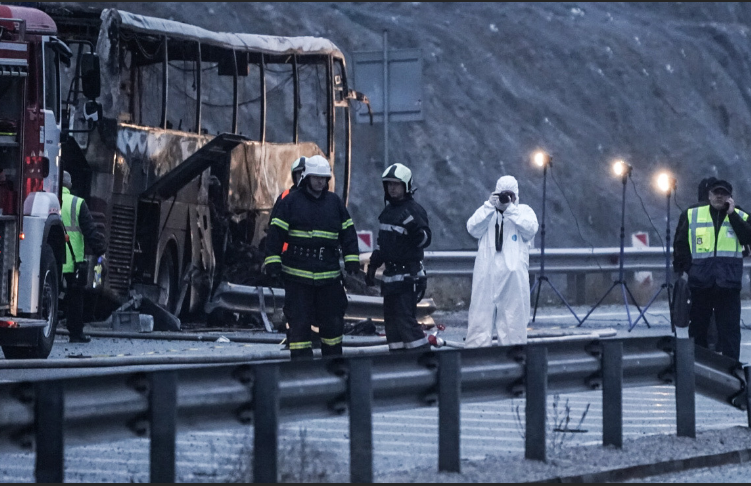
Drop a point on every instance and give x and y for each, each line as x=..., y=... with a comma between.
x=505, y=197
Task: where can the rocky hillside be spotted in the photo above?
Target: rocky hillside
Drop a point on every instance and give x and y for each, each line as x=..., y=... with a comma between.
x=660, y=85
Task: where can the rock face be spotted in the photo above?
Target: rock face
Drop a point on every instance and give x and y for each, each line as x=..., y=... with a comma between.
x=663, y=86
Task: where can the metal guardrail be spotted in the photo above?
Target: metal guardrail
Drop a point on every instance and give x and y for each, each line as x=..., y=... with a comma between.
x=559, y=260
x=43, y=415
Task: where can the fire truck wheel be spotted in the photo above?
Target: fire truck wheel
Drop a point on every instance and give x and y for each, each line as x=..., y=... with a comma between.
x=48, y=292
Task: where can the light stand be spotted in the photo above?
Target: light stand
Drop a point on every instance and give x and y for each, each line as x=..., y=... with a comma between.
x=543, y=159
x=622, y=169
x=667, y=184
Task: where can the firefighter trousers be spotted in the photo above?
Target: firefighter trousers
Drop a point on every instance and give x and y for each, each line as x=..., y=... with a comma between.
x=399, y=318
x=310, y=305
x=725, y=303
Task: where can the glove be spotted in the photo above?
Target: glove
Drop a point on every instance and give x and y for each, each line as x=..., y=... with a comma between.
x=376, y=260
x=352, y=268
x=274, y=270
x=370, y=276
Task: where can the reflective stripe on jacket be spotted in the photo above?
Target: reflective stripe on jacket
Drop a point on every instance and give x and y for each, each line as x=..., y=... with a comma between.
x=70, y=212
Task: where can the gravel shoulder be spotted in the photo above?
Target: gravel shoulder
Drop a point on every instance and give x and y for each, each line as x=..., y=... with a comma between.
x=583, y=460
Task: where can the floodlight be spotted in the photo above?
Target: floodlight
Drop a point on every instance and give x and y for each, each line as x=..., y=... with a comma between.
x=542, y=158
x=665, y=182
x=621, y=168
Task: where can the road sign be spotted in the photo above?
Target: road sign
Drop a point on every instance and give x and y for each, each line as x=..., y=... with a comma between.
x=405, y=84
x=641, y=240
x=365, y=241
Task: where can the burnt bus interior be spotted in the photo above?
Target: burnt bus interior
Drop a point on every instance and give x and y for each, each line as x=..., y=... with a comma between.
x=173, y=86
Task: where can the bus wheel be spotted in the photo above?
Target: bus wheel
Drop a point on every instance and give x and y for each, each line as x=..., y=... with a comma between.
x=167, y=281
x=47, y=310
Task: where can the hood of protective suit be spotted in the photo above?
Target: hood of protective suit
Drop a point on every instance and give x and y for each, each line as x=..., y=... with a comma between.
x=508, y=183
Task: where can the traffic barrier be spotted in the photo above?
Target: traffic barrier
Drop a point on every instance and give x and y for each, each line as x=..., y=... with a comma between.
x=39, y=415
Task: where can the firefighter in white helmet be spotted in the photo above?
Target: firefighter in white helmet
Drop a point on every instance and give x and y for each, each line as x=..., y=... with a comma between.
x=500, y=281
x=402, y=237
x=318, y=229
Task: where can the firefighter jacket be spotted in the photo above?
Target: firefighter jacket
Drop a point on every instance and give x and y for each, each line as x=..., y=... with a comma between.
x=81, y=230
x=709, y=244
x=403, y=234
x=318, y=231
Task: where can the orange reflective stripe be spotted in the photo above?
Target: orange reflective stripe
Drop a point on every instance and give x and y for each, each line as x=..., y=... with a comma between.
x=285, y=194
x=284, y=247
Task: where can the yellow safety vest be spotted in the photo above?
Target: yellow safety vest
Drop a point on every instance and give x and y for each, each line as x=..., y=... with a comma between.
x=70, y=211
x=701, y=235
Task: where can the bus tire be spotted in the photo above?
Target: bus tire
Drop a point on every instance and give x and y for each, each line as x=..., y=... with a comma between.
x=49, y=290
x=167, y=280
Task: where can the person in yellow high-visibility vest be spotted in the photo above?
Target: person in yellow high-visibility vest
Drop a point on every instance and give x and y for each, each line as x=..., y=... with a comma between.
x=83, y=238
x=708, y=252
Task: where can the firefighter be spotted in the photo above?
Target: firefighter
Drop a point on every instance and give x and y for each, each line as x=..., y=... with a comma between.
x=296, y=171
x=708, y=253
x=318, y=230
x=82, y=235
x=402, y=237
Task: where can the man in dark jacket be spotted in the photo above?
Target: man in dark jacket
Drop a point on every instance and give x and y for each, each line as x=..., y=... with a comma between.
x=318, y=229
x=402, y=237
x=83, y=238
x=708, y=251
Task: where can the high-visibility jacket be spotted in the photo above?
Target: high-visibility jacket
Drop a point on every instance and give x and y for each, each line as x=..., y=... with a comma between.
x=71, y=211
x=716, y=253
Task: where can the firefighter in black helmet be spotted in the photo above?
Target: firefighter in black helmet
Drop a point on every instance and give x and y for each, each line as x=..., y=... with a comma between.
x=318, y=229
x=402, y=237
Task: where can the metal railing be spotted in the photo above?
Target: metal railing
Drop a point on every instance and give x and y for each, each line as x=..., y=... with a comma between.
x=559, y=260
x=43, y=415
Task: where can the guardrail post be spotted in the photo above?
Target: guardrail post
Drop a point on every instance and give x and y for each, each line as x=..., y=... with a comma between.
x=685, y=388
x=747, y=373
x=536, y=392
x=266, y=423
x=48, y=424
x=612, y=393
x=162, y=425
x=449, y=407
x=360, y=397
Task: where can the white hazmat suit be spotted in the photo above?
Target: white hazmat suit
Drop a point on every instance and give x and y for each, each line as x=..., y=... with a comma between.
x=500, y=280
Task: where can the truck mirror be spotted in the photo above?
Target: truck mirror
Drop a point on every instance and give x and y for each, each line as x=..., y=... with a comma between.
x=90, y=75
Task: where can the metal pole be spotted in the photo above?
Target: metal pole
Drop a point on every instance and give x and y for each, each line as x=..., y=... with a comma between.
x=536, y=398
x=360, y=421
x=542, y=229
x=48, y=425
x=266, y=420
x=449, y=408
x=385, y=98
x=623, y=233
x=163, y=426
x=685, y=388
x=612, y=393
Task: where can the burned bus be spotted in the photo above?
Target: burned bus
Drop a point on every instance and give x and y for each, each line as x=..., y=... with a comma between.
x=194, y=138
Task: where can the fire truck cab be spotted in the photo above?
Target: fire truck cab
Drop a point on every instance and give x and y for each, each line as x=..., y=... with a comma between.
x=32, y=235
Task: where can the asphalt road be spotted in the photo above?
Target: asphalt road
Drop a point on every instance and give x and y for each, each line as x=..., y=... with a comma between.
x=402, y=440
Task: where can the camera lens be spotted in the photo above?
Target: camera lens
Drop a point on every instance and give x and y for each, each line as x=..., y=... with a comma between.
x=504, y=198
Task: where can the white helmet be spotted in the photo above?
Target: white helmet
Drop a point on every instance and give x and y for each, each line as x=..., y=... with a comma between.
x=298, y=164
x=398, y=173
x=316, y=166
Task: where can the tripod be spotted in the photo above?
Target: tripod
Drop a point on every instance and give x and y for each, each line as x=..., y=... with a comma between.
x=667, y=286
x=541, y=277
x=621, y=280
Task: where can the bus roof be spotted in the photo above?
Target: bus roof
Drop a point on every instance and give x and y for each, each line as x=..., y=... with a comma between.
x=37, y=22
x=267, y=44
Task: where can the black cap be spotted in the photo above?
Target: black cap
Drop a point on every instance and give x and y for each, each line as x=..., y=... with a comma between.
x=721, y=184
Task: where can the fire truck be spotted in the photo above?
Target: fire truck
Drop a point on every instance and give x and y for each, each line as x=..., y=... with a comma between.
x=32, y=235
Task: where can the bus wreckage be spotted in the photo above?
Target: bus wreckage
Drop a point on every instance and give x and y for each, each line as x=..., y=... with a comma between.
x=193, y=141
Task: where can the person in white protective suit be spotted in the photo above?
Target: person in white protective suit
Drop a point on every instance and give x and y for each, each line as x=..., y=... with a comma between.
x=500, y=280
